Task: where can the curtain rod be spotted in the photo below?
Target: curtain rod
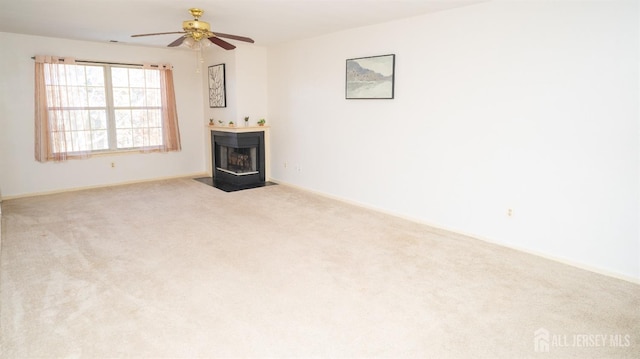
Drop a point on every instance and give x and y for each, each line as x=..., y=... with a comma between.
x=102, y=62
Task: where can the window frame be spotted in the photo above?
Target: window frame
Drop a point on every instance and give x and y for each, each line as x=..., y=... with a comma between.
x=110, y=110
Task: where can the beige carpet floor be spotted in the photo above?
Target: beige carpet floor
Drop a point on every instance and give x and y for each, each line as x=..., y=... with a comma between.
x=180, y=269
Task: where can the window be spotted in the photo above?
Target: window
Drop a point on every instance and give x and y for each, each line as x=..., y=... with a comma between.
x=137, y=112
x=91, y=108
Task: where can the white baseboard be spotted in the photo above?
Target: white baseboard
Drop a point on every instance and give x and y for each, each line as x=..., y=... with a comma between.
x=471, y=235
x=75, y=189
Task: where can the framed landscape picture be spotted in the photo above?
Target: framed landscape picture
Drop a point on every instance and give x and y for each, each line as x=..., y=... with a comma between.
x=370, y=77
x=217, y=95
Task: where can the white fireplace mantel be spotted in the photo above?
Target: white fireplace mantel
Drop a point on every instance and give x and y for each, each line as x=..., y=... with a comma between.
x=240, y=129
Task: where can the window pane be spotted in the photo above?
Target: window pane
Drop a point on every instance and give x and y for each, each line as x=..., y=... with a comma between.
x=137, y=97
x=59, y=75
x=124, y=138
x=78, y=141
x=123, y=118
x=55, y=114
x=75, y=75
x=53, y=95
x=60, y=92
x=64, y=76
x=73, y=121
x=95, y=76
x=139, y=137
x=98, y=119
x=78, y=96
x=153, y=98
x=69, y=140
x=154, y=118
x=78, y=120
x=57, y=143
x=97, y=97
x=155, y=136
x=64, y=121
x=81, y=140
x=100, y=140
x=121, y=97
x=136, y=78
x=138, y=118
x=119, y=77
x=153, y=78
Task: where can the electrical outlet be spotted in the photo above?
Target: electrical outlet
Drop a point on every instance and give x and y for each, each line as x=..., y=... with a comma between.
x=285, y=164
x=113, y=164
x=509, y=212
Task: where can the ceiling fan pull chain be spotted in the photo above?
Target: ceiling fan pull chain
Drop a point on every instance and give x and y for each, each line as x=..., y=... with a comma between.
x=200, y=56
x=198, y=64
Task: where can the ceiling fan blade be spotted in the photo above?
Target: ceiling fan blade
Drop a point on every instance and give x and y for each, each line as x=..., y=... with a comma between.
x=177, y=41
x=234, y=37
x=159, y=33
x=223, y=44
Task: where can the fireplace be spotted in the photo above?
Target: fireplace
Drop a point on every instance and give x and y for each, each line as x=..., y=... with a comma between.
x=238, y=159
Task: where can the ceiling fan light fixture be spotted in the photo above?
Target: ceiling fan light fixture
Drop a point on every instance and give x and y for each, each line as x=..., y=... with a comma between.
x=189, y=42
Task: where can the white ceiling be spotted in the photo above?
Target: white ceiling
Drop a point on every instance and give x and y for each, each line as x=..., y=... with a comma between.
x=268, y=22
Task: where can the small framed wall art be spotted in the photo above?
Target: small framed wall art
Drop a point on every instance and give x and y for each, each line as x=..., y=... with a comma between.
x=217, y=91
x=370, y=77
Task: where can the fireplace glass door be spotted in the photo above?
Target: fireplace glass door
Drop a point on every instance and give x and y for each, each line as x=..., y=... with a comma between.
x=238, y=161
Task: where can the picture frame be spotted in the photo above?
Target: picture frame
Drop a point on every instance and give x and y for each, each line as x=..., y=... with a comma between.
x=370, y=77
x=217, y=89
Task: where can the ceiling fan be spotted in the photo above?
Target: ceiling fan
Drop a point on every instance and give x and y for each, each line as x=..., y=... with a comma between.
x=196, y=30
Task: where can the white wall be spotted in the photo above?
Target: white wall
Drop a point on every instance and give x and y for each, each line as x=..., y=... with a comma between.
x=251, y=74
x=246, y=82
x=525, y=106
x=20, y=174
x=215, y=56
x=246, y=87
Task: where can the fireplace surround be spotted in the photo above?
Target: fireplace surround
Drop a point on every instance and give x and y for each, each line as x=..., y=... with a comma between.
x=238, y=158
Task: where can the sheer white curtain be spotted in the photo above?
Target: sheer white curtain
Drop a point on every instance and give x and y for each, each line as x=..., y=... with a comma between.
x=170, y=128
x=52, y=97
